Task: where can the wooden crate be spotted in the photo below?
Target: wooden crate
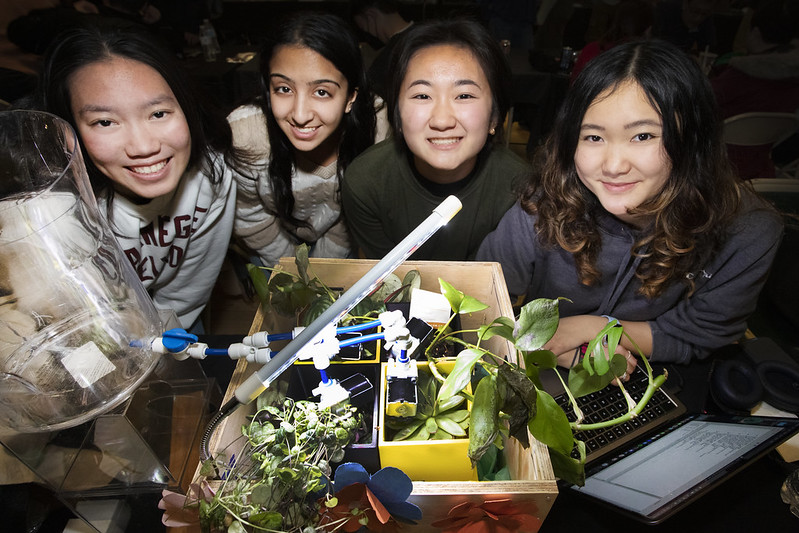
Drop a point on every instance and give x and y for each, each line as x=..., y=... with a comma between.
x=533, y=486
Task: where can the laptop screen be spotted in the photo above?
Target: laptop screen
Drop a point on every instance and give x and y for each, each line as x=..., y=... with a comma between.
x=666, y=471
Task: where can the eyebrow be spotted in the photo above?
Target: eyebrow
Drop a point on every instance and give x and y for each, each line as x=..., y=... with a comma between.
x=629, y=126
x=312, y=82
x=457, y=83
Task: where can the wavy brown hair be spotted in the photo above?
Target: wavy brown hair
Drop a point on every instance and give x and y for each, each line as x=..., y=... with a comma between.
x=690, y=216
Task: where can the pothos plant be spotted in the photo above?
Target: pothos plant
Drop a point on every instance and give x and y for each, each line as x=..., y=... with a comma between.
x=508, y=398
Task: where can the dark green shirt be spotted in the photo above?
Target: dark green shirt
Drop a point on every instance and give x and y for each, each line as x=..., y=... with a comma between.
x=384, y=201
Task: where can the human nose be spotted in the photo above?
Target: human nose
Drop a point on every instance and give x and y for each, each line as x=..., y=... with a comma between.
x=442, y=116
x=615, y=161
x=301, y=112
x=142, y=142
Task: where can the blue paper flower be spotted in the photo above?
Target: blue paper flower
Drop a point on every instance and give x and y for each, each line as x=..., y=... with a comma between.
x=390, y=485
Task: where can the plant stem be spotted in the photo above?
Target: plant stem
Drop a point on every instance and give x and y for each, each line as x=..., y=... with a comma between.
x=650, y=390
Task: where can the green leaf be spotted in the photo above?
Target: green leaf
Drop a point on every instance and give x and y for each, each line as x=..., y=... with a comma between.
x=236, y=527
x=450, y=426
x=449, y=403
x=430, y=425
x=542, y=359
x=260, y=494
x=537, y=324
x=487, y=463
x=501, y=326
x=270, y=520
x=461, y=374
x=260, y=281
x=367, y=306
x=315, y=310
x=583, y=382
x=457, y=416
x=412, y=280
x=420, y=434
x=567, y=468
x=390, y=285
x=458, y=301
x=484, y=421
x=550, y=425
x=406, y=432
x=301, y=260
x=520, y=400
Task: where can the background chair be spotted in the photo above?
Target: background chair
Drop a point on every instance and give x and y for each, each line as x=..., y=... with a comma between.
x=777, y=313
x=763, y=129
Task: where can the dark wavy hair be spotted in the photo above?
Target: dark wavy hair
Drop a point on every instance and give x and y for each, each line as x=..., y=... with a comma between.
x=463, y=33
x=92, y=43
x=329, y=36
x=691, y=213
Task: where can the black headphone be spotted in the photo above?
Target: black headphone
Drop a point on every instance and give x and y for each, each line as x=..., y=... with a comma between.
x=738, y=385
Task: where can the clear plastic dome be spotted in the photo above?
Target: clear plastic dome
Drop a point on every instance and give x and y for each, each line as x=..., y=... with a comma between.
x=74, y=318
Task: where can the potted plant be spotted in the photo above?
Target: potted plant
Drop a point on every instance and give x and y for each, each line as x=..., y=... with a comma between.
x=500, y=357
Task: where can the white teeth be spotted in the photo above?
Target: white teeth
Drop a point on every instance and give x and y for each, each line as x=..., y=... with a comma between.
x=305, y=130
x=149, y=169
x=444, y=141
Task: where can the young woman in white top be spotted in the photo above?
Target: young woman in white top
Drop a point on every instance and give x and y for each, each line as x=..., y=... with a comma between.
x=315, y=115
x=161, y=162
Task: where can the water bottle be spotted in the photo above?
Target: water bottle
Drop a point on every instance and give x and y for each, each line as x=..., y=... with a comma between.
x=208, y=41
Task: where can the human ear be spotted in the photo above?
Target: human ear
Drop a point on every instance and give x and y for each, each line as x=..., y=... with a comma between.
x=351, y=101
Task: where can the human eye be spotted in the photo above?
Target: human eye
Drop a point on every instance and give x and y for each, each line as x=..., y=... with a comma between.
x=592, y=138
x=281, y=89
x=641, y=137
x=101, y=123
x=420, y=96
x=323, y=93
x=160, y=114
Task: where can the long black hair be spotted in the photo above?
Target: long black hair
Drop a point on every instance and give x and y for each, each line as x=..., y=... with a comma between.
x=463, y=33
x=92, y=43
x=330, y=37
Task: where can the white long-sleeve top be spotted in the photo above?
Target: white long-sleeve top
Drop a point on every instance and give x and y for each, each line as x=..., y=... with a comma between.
x=177, y=242
x=316, y=198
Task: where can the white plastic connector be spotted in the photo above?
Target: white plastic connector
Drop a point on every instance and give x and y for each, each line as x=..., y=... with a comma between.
x=391, y=319
x=250, y=353
x=330, y=393
x=324, y=343
x=258, y=340
x=158, y=347
x=197, y=350
x=261, y=356
x=402, y=370
x=399, y=338
x=240, y=351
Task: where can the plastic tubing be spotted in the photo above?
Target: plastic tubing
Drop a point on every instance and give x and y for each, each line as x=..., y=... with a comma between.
x=362, y=338
x=358, y=327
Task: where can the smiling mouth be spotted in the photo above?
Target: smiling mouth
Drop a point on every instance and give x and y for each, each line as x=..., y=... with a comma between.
x=444, y=142
x=150, y=169
x=618, y=186
x=305, y=130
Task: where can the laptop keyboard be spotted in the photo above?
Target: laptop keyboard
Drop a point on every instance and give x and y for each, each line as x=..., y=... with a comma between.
x=609, y=403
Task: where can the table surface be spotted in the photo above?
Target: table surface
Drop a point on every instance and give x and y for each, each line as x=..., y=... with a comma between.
x=750, y=501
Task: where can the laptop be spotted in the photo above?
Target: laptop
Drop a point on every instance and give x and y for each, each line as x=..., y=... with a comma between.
x=664, y=466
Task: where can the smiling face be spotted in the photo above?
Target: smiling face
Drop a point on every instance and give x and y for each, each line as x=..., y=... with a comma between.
x=446, y=111
x=131, y=125
x=309, y=97
x=620, y=155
